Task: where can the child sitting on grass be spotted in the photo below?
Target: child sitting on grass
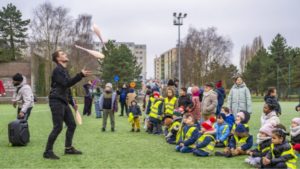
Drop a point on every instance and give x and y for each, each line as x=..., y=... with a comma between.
x=239, y=143
x=242, y=117
x=135, y=112
x=222, y=131
x=295, y=134
x=281, y=154
x=173, y=130
x=229, y=117
x=188, y=136
x=264, y=140
x=205, y=145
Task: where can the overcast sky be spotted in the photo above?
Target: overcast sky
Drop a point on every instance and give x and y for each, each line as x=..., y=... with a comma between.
x=150, y=22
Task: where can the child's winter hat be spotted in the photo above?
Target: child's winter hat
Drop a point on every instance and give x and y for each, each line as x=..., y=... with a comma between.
x=155, y=93
x=267, y=128
x=208, y=125
x=240, y=128
x=244, y=115
x=219, y=84
x=296, y=120
x=195, y=91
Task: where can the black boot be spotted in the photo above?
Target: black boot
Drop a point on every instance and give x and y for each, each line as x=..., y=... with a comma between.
x=138, y=130
x=103, y=129
x=218, y=153
x=112, y=129
x=50, y=155
x=73, y=151
x=132, y=130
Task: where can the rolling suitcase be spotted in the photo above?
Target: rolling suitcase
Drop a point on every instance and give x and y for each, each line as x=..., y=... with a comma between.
x=18, y=133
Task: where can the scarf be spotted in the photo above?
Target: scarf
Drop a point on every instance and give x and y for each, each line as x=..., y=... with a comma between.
x=259, y=139
x=207, y=93
x=295, y=131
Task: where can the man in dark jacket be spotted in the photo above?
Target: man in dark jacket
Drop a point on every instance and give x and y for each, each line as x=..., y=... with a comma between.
x=88, y=98
x=123, y=95
x=58, y=101
x=221, y=96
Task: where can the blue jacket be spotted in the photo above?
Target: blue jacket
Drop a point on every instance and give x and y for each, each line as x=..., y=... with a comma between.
x=230, y=120
x=123, y=95
x=245, y=147
x=135, y=110
x=219, y=131
x=221, y=96
x=193, y=138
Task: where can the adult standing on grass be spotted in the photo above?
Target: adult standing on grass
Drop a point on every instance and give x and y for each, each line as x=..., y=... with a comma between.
x=123, y=95
x=239, y=97
x=23, y=97
x=58, y=102
x=88, y=98
x=109, y=105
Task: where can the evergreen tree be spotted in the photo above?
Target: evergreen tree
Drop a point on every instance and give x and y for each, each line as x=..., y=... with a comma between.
x=119, y=61
x=12, y=31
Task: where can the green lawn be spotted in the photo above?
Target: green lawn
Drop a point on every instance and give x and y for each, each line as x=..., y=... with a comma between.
x=121, y=149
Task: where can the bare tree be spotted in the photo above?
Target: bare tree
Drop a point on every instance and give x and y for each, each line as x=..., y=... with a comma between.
x=51, y=28
x=201, y=48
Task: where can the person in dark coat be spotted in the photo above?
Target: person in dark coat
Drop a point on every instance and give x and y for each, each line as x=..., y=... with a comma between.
x=221, y=96
x=183, y=99
x=59, y=104
x=123, y=95
x=88, y=98
x=271, y=97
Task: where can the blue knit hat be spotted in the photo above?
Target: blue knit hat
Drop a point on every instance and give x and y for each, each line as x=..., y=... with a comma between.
x=240, y=128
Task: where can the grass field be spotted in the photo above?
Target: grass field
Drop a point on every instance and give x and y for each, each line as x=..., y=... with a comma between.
x=121, y=149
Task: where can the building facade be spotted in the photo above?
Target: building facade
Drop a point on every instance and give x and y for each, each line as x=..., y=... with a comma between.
x=166, y=65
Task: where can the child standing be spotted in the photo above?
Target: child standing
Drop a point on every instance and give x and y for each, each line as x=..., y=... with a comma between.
x=136, y=113
x=189, y=135
x=97, y=94
x=281, y=154
x=222, y=131
x=155, y=114
x=206, y=143
x=295, y=134
x=229, y=117
x=264, y=140
x=239, y=143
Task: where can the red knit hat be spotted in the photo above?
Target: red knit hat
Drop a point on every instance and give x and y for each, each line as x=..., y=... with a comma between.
x=208, y=125
x=156, y=94
x=219, y=84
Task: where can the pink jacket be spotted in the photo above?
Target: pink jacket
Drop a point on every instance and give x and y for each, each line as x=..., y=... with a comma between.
x=196, y=102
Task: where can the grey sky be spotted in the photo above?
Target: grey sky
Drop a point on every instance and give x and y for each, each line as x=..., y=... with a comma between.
x=150, y=22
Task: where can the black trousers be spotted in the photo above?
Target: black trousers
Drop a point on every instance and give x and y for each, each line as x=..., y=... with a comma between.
x=87, y=110
x=61, y=113
x=26, y=115
x=124, y=106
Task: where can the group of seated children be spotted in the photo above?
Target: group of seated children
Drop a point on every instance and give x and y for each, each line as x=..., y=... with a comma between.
x=272, y=151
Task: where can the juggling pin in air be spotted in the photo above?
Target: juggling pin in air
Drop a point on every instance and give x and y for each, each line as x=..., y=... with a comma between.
x=97, y=31
x=78, y=117
x=96, y=54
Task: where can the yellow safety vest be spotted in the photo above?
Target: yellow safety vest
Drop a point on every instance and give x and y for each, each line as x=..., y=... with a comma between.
x=174, y=124
x=188, y=135
x=263, y=150
x=210, y=147
x=170, y=105
x=234, y=127
x=154, y=110
x=152, y=100
x=179, y=134
x=240, y=142
x=291, y=164
x=223, y=132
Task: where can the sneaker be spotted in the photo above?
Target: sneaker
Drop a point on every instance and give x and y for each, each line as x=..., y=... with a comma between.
x=138, y=130
x=218, y=153
x=73, y=151
x=132, y=130
x=103, y=129
x=50, y=155
x=112, y=130
x=121, y=115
